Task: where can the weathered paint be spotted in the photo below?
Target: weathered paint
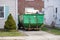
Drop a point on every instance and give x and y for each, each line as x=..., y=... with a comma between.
x=11, y=7
x=50, y=12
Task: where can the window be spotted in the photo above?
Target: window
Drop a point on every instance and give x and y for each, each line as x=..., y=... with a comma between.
x=1, y=11
x=29, y=0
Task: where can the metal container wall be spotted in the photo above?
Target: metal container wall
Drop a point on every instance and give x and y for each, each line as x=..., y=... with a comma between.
x=40, y=19
x=26, y=20
x=32, y=20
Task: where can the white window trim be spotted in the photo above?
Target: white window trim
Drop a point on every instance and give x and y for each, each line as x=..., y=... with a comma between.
x=4, y=12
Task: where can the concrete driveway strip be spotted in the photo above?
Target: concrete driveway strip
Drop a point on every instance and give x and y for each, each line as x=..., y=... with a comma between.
x=41, y=38
x=37, y=33
x=40, y=35
x=33, y=35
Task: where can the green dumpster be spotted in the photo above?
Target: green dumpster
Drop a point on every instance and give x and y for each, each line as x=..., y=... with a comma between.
x=26, y=20
x=40, y=19
x=32, y=20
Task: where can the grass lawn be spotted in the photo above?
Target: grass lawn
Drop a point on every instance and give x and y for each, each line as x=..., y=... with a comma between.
x=53, y=30
x=16, y=33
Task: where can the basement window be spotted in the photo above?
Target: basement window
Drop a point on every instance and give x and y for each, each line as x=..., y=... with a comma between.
x=1, y=11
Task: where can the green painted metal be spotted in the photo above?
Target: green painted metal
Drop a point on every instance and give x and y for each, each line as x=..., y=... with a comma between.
x=40, y=19
x=26, y=20
x=33, y=20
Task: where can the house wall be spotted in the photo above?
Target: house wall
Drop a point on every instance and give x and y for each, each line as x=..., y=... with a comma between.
x=36, y=4
x=50, y=12
x=12, y=9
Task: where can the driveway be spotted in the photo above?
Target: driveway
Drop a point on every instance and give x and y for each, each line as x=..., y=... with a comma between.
x=33, y=35
x=40, y=35
x=36, y=33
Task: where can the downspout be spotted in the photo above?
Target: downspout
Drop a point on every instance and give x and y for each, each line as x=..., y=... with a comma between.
x=17, y=14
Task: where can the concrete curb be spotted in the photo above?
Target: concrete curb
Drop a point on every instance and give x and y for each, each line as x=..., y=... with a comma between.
x=13, y=38
x=31, y=38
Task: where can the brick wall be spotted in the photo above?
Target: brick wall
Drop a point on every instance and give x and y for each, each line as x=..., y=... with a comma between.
x=22, y=4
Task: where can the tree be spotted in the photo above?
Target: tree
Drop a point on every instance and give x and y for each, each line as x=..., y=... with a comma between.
x=10, y=23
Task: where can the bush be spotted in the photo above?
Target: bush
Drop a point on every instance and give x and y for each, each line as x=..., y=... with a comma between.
x=10, y=23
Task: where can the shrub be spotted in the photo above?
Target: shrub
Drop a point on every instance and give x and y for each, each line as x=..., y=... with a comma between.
x=10, y=23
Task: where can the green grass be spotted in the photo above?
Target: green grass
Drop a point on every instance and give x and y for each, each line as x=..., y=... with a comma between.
x=16, y=33
x=44, y=29
x=55, y=31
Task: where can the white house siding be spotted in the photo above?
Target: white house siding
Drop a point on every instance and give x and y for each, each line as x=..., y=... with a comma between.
x=50, y=12
x=12, y=9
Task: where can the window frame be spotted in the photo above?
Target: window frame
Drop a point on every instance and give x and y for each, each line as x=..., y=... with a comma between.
x=4, y=11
